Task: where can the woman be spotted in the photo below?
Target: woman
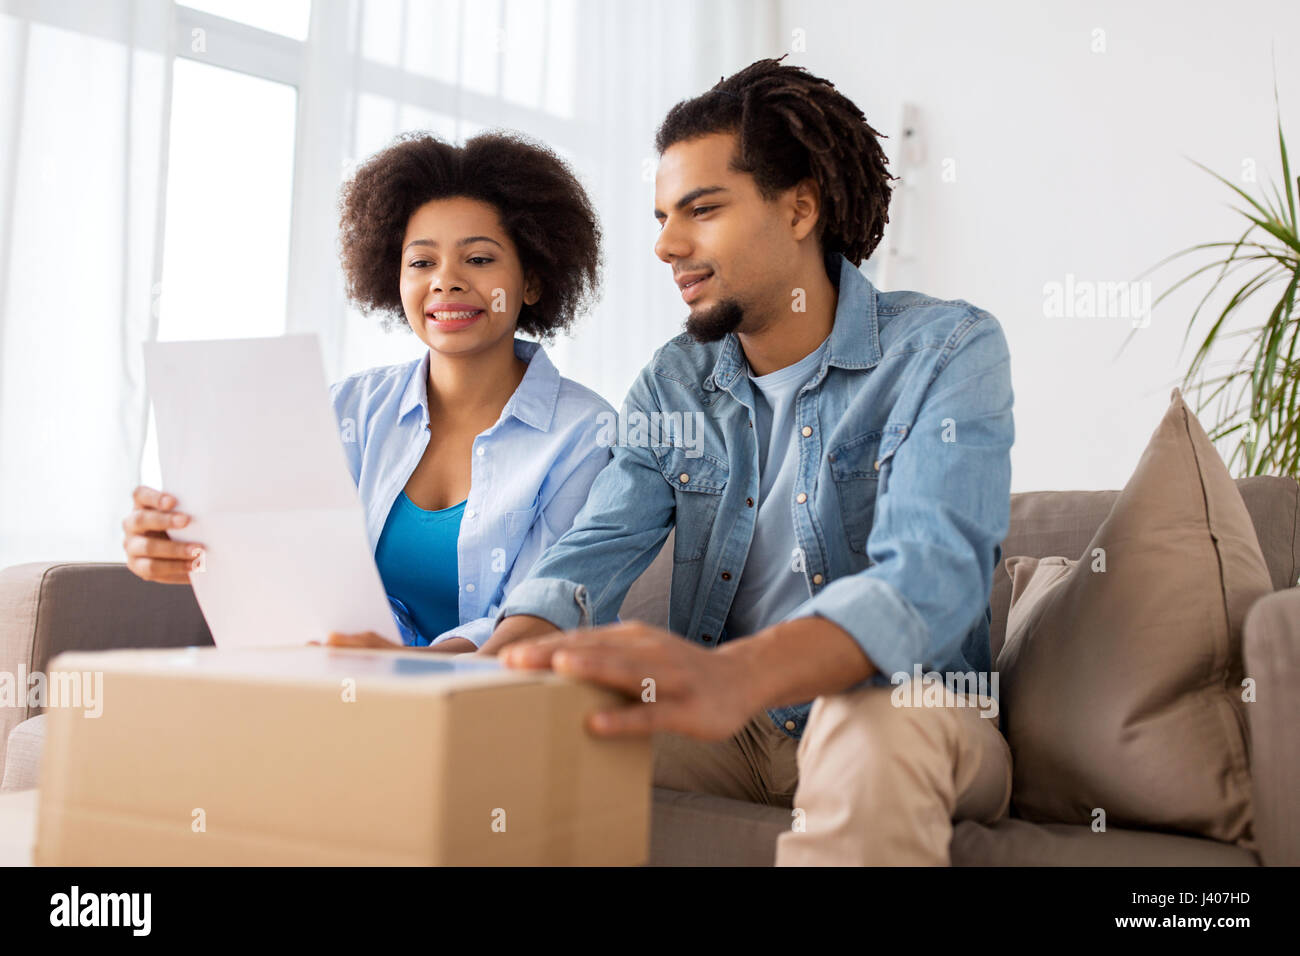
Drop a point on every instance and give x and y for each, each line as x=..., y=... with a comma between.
x=473, y=459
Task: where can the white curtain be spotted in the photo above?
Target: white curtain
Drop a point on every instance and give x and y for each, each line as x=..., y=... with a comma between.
x=83, y=113
x=639, y=59
x=85, y=99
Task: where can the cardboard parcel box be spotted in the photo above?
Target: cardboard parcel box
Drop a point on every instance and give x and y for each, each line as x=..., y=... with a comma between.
x=323, y=756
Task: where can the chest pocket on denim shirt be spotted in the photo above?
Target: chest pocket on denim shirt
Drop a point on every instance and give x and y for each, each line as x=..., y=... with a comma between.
x=698, y=484
x=856, y=467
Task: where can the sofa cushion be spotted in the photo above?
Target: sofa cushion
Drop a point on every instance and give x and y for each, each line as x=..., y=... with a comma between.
x=47, y=607
x=1020, y=843
x=699, y=829
x=1047, y=523
x=23, y=757
x=1121, y=676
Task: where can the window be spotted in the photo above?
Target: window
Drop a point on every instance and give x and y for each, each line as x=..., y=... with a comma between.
x=286, y=17
x=256, y=157
x=226, y=238
x=230, y=174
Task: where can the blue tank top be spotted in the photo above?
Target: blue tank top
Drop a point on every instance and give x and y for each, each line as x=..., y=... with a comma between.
x=416, y=557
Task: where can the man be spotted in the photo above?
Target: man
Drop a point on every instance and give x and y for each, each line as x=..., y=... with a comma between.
x=838, y=523
x=838, y=512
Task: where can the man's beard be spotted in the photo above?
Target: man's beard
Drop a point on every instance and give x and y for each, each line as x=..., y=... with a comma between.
x=715, y=322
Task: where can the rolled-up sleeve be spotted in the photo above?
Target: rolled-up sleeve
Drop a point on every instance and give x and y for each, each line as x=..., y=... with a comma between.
x=551, y=523
x=582, y=579
x=476, y=631
x=942, y=510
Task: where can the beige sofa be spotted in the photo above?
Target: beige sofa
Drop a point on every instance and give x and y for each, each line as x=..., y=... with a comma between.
x=50, y=607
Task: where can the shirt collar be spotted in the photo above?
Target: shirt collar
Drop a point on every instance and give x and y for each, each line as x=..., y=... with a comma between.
x=855, y=333
x=533, y=402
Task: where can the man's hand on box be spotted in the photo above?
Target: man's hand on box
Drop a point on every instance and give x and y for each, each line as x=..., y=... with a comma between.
x=679, y=687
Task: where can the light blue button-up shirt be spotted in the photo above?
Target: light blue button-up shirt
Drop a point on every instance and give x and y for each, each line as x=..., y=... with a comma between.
x=901, y=498
x=530, y=472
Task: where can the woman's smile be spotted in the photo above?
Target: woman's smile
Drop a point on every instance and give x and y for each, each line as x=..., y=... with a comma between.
x=451, y=316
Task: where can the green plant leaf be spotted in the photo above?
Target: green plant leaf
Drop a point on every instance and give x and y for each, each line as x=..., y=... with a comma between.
x=1241, y=295
x=1277, y=230
x=1286, y=166
x=1235, y=188
x=1259, y=393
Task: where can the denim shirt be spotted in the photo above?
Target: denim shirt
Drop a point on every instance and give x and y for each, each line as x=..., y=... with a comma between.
x=529, y=473
x=901, y=501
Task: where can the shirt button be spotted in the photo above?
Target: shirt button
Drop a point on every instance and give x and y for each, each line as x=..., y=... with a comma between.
x=469, y=587
x=877, y=464
x=683, y=477
x=805, y=431
x=817, y=579
x=471, y=513
x=789, y=725
x=726, y=575
x=749, y=502
x=706, y=637
x=479, y=451
x=801, y=497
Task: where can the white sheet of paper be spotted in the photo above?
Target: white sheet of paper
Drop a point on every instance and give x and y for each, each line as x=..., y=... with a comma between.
x=250, y=447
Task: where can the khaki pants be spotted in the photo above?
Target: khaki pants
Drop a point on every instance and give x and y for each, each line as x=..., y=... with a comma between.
x=868, y=784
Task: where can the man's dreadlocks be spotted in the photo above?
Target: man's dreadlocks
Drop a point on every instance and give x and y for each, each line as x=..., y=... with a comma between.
x=792, y=125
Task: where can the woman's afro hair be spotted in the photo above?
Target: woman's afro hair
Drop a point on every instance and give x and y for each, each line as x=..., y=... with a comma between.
x=542, y=207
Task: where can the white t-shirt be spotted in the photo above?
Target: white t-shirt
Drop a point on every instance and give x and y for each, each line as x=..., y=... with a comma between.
x=770, y=586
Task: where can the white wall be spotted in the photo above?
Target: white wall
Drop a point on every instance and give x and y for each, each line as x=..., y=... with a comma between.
x=1067, y=161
